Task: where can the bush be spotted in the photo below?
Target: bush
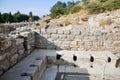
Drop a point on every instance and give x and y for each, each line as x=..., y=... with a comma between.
x=75, y=9
x=93, y=7
x=112, y=5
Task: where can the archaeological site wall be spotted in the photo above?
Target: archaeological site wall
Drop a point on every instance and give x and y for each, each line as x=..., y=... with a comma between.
x=18, y=45
x=79, y=39
x=12, y=50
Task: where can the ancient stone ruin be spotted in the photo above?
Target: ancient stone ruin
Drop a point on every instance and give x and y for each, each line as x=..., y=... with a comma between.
x=59, y=53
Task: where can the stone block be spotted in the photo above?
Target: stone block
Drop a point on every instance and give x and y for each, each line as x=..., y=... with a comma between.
x=108, y=43
x=52, y=31
x=2, y=36
x=67, y=32
x=97, y=33
x=67, y=43
x=74, y=48
x=62, y=37
x=70, y=37
x=5, y=44
x=85, y=32
x=75, y=32
x=57, y=42
x=79, y=37
x=116, y=43
x=73, y=44
x=2, y=55
x=4, y=64
x=21, y=51
x=80, y=43
x=20, y=46
x=14, y=59
x=19, y=41
x=54, y=36
x=92, y=38
x=60, y=31
x=65, y=47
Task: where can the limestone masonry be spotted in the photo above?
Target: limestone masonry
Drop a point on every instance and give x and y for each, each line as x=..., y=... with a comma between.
x=18, y=44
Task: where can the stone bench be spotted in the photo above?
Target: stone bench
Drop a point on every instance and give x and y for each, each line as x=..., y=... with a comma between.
x=30, y=68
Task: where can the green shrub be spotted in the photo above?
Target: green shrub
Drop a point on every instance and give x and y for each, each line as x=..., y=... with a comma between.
x=75, y=9
x=112, y=5
x=93, y=7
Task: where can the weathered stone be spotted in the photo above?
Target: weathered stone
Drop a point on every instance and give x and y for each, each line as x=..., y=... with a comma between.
x=80, y=43
x=116, y=43
x=78, y=37
x=5, y=44
x=108, y=43
x=4, y=64
x=75, y=32
x=60, y=32
x=2, y=36
x=67, y=32
x=58, y=43
x=14, y=59
x=92, y=38
x=65, y=47
x=67, y=43
x=21, y=51
x=20, y=46
x=74, y=48
x=54, y=36
x=62, y=37
x=52, y=31
x=70, y=37
x=19, y=41
x=85, y=33
x=97, y=33
x=73, y=44
x=2, y=55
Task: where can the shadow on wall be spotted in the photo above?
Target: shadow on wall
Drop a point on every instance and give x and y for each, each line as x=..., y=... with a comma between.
x=42, y=43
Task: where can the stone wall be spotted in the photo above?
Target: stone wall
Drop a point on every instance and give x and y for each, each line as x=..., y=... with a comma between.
x=69, y=38
x=4, y=29
x=13, y=49
x=18, y=45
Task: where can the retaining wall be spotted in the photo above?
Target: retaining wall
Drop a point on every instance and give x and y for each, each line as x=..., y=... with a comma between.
x=12, y=50
x=79, y=39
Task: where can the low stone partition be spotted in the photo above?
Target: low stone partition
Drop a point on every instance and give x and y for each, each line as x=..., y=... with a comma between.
x=14, y=49
x=79, y=39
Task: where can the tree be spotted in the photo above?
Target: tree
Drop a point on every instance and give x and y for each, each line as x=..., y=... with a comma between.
x=24, y=17
x=58, y=9
x=30, y=17
x=75, y=9
x=30, y=14
x=0, y=18
x=85, y=2
x=36, y=17
x=10, y=19
x=5, y=17
x=17, y=17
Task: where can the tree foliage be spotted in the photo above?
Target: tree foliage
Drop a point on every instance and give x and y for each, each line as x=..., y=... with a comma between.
x=61, y=8
x=16, y=17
